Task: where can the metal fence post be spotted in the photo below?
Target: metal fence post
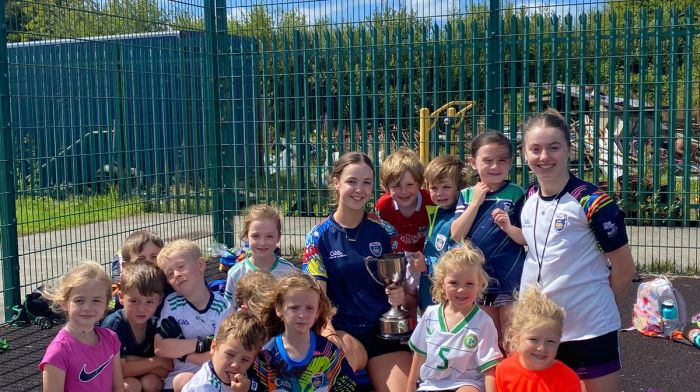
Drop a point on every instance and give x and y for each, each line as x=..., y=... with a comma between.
x=494, y=74
x=8, y=215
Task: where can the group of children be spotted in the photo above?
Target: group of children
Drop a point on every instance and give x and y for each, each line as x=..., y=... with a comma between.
x=278, y=328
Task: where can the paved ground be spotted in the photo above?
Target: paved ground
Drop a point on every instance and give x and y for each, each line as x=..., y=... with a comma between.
x=649, y=364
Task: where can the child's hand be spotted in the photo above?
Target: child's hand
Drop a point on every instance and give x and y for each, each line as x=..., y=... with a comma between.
x=501, y=219
x=396, y=295
x=240, y=383
x=479, y=195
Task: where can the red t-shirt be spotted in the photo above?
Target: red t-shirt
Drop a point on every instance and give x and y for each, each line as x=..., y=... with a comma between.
x=511, y=376
x=411, y=230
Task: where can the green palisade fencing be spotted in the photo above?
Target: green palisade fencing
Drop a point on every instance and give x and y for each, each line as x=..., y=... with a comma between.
x=175, y=116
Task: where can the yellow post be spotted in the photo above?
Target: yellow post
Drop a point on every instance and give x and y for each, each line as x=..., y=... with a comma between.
x=423, y=144
x=451, y=111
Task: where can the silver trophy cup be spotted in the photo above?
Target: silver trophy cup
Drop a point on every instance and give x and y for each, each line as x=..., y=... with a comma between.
x=396, y=323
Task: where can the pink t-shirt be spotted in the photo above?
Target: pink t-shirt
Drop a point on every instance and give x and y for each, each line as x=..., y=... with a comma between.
x=87, y=368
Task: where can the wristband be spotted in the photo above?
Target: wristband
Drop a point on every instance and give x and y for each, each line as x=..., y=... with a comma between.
x=203, y=344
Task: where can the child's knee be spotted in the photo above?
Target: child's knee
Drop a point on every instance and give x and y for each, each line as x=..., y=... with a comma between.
x=151, y=383
x=181, y=379
x=132, y=384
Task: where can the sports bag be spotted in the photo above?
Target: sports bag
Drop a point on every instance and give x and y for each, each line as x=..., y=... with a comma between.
x=646, y=315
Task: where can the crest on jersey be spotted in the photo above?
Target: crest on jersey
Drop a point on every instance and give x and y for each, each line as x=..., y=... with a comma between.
x=375, y=248
x=440, y=241
x=560, y=222
x=317, y=380
x=471, y=341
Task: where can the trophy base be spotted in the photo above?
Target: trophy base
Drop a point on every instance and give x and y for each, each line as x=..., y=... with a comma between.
x=396, y=329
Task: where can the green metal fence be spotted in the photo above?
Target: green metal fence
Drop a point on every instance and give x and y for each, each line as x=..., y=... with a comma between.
x=174, y=116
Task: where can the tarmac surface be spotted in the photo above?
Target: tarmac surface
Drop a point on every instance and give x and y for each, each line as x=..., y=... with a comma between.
x=649, y=364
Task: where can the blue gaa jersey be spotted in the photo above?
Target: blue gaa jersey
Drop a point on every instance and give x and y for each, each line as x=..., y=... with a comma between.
x=568, y=234
x=337, y=256
x=323, y=369
x=437, y=242
x=504, y=257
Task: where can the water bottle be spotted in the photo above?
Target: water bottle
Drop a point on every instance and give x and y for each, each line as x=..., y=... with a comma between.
x=669, y=314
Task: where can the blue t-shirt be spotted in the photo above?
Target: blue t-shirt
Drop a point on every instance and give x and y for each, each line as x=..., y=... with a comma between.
x=324, y=368
x=337, y=256
x=129, y=346
x=504, y=257
x=438, y=241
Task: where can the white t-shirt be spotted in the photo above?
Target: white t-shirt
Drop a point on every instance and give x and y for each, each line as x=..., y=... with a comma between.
x=193, y=323
x=571, y=232
x=458, y=357
x=206, y=380
x=279, y=269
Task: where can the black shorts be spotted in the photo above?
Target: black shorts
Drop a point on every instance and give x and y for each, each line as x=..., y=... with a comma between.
x=592, y=358
x=376, y=346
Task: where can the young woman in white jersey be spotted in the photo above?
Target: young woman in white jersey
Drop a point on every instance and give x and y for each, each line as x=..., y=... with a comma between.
x=578, y=253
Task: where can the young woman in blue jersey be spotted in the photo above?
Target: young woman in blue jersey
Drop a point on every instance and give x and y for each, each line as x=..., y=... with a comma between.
x=578, y=253
x=297, y=358
x=481, y=212
x=334, y=254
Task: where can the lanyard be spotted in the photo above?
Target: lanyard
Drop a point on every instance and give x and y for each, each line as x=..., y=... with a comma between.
x=540, y=258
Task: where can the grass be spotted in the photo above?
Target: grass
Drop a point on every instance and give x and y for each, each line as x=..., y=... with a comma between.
x=38, y=214
x=667, y=267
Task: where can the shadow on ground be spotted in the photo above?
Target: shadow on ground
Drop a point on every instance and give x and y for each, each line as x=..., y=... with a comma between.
x=655, y=364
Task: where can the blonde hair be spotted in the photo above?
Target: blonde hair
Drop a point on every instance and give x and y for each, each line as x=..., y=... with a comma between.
x=255, y=287
x=87, y=271
x=188, y=247
x=244, y=328
x=259, y=212
x=396, y=164
x=466, y=256
x=446, y=167
x=295, y=281
x=142, y=276
x=135, y=242
x=531, y=311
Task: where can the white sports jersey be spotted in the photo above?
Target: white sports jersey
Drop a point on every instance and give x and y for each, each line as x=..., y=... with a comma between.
x=280, y=268
x=206, y=380
x=570, y=233
x=458, y=357
x=193, y=323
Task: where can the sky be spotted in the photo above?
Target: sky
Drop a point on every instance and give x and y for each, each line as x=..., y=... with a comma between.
x=358, y=10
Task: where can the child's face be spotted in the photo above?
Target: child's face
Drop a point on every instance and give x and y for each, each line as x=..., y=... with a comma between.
x=547, y=153
x=148, y=253
x=462, y=287
x=263, y=237
x=184, y=273
x=139, y=308
x=299, y=311
x=492, y=162
x=405, y=192
x=86, y=304
x=444, y=193
x=354, y=186
x=538, y=347
x=230, y=358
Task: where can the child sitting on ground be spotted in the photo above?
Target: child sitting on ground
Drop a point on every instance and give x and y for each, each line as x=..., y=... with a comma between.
x=82, y=357
x=532, y=340
x=140, y=245
x=189, y=315
x=233, y=352
x=141, y=293
x=262, y=230
x=298, y=358
x=455, y=344
x=251, y=294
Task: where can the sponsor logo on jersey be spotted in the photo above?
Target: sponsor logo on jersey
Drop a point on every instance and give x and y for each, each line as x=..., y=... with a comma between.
x=335, y=254
x=375, y=248
x=183, y=322
x=440, y=241
x=86, y=376
x=471, y=341
x=610, y=228
x=560, y=222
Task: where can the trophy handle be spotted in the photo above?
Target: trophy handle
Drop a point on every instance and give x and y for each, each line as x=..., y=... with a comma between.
x=369, y=271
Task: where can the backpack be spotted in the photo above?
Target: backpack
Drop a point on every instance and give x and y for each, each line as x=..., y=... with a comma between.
x=36, y=309
x=646, y=315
